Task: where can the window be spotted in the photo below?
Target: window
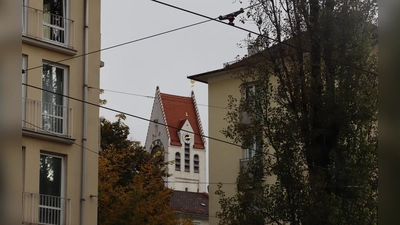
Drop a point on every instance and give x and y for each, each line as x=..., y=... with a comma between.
x=177, y=161
x=196, y=163
x=250, y=151
x=51, y=205
x=54, y=20
x=249, y=91
x=54, y=110
x=187, y=157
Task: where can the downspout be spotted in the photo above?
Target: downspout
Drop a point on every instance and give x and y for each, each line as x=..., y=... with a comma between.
x=85, y=99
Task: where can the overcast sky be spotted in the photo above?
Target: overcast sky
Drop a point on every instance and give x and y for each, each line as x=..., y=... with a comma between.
x=166, y=60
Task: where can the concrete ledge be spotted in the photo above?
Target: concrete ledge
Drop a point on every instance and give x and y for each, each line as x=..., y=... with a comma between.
x=48, y=45
x=47, y=136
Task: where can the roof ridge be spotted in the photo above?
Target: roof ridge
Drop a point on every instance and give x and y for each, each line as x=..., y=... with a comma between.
x=158, y=93
x=198, y=118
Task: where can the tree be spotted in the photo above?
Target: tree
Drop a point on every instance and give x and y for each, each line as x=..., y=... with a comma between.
x=131, y=186
x=314, y=110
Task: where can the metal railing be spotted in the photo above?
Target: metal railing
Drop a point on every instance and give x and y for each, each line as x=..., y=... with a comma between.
x=47, y=117
x=45, y=209
x=48, y=27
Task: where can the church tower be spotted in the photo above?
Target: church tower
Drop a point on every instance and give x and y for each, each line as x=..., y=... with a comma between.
x=175, y=128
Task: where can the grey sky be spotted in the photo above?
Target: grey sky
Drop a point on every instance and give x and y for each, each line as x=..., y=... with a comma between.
x=166, y=60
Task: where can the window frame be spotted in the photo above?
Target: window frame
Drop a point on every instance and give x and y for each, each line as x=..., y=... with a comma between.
x=196, y=163
x=187, y=157
x=62, y=179
x=65, y=88
x=177, y=161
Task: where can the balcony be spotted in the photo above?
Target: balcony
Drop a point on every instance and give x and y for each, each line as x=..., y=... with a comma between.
x=254, y=167
x=244, y=164
x=48, y=28
x=45, y=209
x=47, y=118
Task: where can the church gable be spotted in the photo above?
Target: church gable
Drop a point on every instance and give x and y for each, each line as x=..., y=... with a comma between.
x=180, y=112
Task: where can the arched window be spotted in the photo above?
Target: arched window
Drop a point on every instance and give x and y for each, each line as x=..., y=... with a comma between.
x=177, y=161
x=196, y=163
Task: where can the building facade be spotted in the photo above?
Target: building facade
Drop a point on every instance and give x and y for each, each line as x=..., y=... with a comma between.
x=60, y=135
x=176, y=130
x=226, y=161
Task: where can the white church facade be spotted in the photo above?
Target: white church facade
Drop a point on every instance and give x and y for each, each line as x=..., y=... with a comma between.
x=176, y=129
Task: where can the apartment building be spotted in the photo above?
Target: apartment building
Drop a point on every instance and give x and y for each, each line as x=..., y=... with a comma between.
x=60, y=135
x=226, y=161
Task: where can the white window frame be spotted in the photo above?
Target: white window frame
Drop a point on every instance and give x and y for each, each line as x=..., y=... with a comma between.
x=250, y=152
x=67, y=32
x=65, y=92
x=24, y=16
x=63, y=181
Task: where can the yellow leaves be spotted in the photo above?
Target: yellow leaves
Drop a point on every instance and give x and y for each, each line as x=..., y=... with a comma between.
x=132, y=190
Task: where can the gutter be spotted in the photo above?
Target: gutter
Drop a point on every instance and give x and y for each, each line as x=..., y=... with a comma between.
x=85, y=98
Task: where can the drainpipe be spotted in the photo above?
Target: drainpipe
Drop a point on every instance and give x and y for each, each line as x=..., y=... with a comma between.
x=85, y=99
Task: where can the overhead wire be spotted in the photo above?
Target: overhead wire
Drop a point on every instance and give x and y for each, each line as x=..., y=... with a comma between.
x=166, y=125
x=126, y=43
x=119, y=45
x=152, y=97
x=258, y=34
x=266, y=184
x=51, y=133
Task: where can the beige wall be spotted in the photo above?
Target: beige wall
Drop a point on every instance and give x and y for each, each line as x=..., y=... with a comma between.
x=223, y=158
x=72, y=153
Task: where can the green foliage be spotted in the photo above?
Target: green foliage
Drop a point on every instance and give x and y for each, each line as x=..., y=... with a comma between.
x=315, y=110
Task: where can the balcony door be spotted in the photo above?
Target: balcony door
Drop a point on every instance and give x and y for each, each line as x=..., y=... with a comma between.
x=54, y=24
x=51, y=203
x=53, y=102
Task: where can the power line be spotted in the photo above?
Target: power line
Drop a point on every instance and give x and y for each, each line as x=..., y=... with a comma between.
x=258, y=34
x=152, y=97
x=48, y=132
x=122, y=44
x=128, y=42
x=166, y=125
x=266, y=184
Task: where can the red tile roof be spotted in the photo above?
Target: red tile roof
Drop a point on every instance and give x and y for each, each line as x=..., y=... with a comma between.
x=190, y=202
x=175, y=110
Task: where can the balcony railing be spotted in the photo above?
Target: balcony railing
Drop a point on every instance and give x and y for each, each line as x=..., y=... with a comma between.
x=48, y=27
x=45, y=209
x=47, y=117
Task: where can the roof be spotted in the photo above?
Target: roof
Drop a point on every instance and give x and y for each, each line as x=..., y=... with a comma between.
x=190, y=202
x=176, y=110
x=277, y=51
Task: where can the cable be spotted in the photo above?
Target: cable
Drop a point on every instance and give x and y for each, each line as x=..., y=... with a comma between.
x=258, y=34
x=48, y=132
x=266, y=184
x=125, y=43
x=156, y=122
x=151, y=97
x=122, y=44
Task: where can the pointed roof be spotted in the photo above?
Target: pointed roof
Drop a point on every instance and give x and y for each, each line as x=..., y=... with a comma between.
x=178, y=109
